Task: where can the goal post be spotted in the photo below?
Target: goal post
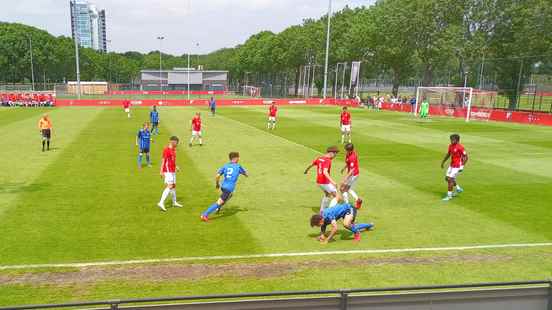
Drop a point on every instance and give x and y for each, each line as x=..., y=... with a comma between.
x=447, y=101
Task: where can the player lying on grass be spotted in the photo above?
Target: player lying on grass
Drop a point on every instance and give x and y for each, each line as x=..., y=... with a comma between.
x=459, y=158
x=345, y=125
x=230, y=174
x=45, y=127
x=195, y=127
x=168, y=171
x=272, y=111
x=143, y=139
x=323, y=179
x=154, y=119
x=330, y=216
x=350, y=179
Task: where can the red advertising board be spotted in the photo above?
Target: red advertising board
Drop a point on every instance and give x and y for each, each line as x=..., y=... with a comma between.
x=166, y=92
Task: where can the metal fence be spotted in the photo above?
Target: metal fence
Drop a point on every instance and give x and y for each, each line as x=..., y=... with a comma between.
x=529, y=295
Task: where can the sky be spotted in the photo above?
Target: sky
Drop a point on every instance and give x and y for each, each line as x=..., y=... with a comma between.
x=134, y=25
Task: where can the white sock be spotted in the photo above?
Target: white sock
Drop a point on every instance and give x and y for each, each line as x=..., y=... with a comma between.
x=449, y=194
x=342, y=138
x=346, y=197
x=200, y=141
x=191, y=140
x=173, y=195
x=352, y=192
x=164, y=195
x=333, y=202
x=458, y=186
x=324, y=203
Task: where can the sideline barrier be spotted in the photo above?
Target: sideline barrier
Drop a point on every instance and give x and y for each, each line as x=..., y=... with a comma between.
x=203, y=102
x=530, y=295
x=499, y=115
x=166, y=92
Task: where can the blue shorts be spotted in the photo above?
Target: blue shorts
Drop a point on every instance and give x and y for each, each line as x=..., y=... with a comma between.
x=226, y=195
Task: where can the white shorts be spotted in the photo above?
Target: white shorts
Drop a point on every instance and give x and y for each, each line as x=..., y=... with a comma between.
x=329, y=188
x=170, y=178
x=346, y=128
x=272, y=118
x=196, y=133
x=127, y=110
x=351, y=181
x=454, y=172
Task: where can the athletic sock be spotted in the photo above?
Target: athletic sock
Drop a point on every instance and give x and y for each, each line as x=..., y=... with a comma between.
x=342, y=138
x=361, y=227
x=164, y=195
x=354, y=228
x=191, y=140
x=43, y=145
x=354, y=194
x=200, y=141
x=449, y=194
x=346, y=197
x=324, y=204
x=48, y=145
x=139, y=159
x=147, y=159
x=173, y=195
x=333, y=202
x=211, y=209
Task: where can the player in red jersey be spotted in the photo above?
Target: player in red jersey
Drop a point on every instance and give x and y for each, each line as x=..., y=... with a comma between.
x=168, y=172
x=323, y=179
x=458, y=158
x=345, y=124
x=272, y=111
x=350, y=179
x=126, y=106
x=196, y=130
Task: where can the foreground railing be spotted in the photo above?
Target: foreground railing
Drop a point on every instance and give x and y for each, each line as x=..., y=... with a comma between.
x=526, y=295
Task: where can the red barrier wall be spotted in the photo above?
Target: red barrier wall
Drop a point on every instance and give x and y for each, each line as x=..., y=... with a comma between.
x=481, y=114
x=202, y=102
x=166, y=92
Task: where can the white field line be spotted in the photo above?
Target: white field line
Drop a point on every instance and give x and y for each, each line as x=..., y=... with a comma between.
x=276, y=255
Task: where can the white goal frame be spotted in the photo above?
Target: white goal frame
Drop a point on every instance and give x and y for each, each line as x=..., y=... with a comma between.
x=466, y=90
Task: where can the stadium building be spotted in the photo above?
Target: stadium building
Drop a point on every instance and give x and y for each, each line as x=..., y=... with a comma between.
x=177, y=79
x=88, y=25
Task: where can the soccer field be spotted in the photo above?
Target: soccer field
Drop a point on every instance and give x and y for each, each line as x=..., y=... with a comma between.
x=85, y=201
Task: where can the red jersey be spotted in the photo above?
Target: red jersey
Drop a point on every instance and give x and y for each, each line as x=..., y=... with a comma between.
x=169, y=160
x=272, y=111
x=196, y=123
x=126, y=104
x=352, y=163
x=345, y=118
x=322, y=163
x=456, y=151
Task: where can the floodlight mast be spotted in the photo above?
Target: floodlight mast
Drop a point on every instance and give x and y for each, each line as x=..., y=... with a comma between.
x=327, y=48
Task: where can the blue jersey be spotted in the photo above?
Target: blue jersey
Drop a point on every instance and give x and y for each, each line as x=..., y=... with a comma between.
x=144, y=137
x=231, y=172
x=154, y=117
x=337, y=212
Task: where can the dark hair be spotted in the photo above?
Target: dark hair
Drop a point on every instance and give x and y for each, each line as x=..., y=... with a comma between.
x=455, y=136
x=345, y=108
x=349, y=147
x=332, y=149
x=233, y=155
x=174, y=138
x=315, y=220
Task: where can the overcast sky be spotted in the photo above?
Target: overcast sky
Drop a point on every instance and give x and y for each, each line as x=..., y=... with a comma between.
x=135, y=24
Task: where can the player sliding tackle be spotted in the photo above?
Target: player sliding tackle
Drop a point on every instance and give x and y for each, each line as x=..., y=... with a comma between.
x=350, y=179
x=230, y=174
x=459, y=157
x=330, y=216
x=323, y=179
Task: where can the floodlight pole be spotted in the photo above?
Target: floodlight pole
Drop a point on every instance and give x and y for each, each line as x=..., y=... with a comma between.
x=77, y=64
x=189, y=76
x=160, y=66
x=327, y=47
x=32, y=64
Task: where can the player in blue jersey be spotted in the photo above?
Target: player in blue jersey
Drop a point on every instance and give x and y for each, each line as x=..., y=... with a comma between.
x=154, y=119
x=344, y=211
x=143, y=139
x=230, y=174
x=213, y=106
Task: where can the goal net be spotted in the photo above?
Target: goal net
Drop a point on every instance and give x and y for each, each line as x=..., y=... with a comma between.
x=251, y=91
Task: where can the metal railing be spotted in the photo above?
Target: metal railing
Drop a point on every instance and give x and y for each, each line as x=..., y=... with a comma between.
x=339, y=299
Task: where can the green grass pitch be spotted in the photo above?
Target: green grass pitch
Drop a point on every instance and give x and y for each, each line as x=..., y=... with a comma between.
x=86, y=201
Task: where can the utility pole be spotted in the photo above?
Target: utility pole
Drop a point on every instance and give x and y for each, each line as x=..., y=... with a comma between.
x=32, y=64
x=77, y=64
x=160, y=38
x=327, y=48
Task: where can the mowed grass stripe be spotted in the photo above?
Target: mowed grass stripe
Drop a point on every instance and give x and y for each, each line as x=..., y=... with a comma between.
x=497, y=185
x=405, y=216
x=12, y=115
x=94, y=204
x=22, y=158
